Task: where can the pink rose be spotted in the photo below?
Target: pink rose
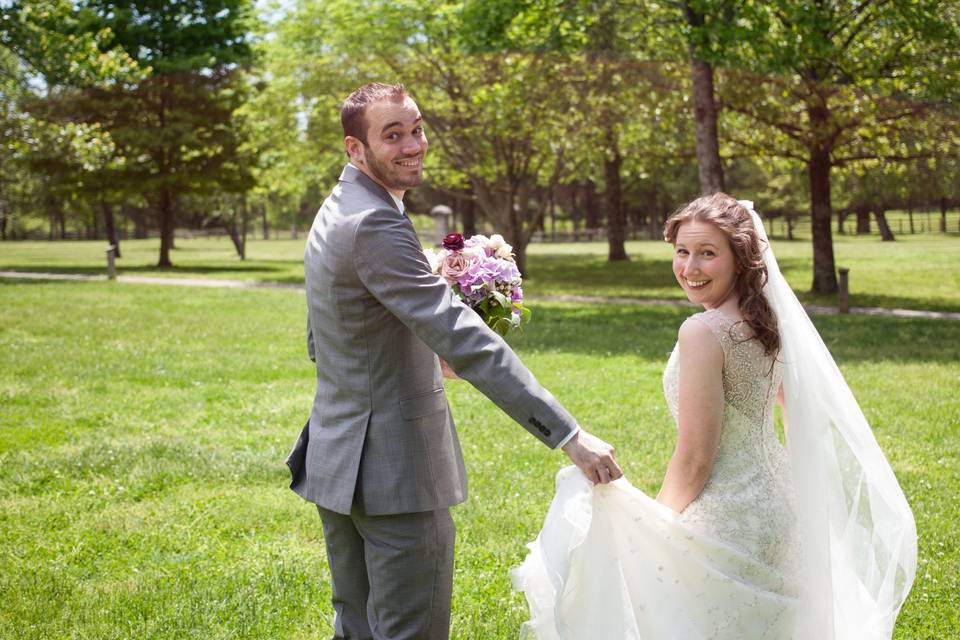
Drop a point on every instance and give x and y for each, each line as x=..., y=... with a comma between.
x=454, y=266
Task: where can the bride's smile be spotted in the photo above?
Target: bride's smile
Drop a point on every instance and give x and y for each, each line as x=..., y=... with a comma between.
x=703, y=263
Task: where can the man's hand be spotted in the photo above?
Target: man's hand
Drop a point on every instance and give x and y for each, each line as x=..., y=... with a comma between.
x=594, y=457
x=447, y=371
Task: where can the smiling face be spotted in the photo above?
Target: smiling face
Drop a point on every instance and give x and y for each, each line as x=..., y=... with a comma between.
x=395, y=147
x=704, y=263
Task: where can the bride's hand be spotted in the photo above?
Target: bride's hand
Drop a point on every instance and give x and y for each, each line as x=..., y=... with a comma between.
x=447, y=371
x=594, y=457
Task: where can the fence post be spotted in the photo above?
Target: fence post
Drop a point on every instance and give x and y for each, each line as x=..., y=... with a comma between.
x=844, y=292
x=441, y=221
x=111, y=262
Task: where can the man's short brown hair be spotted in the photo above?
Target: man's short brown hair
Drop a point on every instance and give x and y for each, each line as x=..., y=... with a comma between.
x=355, y=106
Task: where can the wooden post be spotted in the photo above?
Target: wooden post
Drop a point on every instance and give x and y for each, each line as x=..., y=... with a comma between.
x=441, y=221
x=111, y=262
x=844, y=291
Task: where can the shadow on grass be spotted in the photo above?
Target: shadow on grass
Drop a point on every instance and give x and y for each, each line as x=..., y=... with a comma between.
x=651, y=332
x=595, y=272
x=592, y=274
x=186, y=270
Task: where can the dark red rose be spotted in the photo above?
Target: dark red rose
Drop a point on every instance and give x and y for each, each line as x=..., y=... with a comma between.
x=453, y=242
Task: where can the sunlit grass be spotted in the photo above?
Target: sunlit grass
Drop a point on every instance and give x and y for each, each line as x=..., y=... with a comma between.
x=143, y=430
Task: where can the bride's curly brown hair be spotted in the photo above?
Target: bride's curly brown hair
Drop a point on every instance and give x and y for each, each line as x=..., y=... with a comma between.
x=736, y=223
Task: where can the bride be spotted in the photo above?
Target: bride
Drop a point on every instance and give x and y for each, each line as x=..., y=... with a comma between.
x=747, y=538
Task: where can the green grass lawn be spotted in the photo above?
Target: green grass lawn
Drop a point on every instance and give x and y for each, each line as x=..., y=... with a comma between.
x=143, y=430
x=915, y=272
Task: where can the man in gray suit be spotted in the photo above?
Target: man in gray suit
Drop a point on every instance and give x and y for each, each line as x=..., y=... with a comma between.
x=379, y=455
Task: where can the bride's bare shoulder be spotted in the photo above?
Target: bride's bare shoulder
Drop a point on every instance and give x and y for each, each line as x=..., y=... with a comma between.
x=698, y=336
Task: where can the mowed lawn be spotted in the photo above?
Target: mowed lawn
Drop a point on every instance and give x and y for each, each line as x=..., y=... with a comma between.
x=915, y=272
x=143, y=431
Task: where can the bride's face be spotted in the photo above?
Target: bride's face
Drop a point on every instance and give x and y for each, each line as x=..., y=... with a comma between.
x=703, y=263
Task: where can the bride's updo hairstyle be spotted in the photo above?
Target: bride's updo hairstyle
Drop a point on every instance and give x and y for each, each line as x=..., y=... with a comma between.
x=736, y=223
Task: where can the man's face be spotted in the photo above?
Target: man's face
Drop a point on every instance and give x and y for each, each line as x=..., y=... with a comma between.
x=396, y=145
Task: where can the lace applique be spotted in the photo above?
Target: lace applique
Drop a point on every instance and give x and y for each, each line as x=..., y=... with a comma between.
x=748, y=500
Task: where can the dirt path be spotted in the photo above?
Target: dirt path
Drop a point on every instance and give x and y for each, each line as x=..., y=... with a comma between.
x=251, y=284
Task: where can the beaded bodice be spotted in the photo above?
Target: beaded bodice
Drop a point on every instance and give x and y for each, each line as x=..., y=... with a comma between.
x=748, y=500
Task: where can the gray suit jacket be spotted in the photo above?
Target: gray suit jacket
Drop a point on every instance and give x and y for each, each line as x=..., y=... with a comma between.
x=380, y=433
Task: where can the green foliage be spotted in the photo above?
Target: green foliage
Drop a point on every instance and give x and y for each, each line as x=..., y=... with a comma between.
x=45, y=54
x=502, y=314
x=51, y=39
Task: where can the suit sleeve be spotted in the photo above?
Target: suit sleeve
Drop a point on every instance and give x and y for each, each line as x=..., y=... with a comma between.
x=311, y=348
x=390, y=263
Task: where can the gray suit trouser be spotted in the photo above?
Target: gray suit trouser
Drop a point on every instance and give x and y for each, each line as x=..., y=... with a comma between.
x=392, y=575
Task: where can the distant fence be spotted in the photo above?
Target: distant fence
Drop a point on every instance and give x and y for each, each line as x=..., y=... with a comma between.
x=923, y=223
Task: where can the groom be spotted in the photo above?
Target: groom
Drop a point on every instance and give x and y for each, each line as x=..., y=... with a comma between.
x=379, y=455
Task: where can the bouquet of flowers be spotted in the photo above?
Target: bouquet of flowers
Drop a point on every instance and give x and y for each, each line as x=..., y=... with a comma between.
x=483, y=273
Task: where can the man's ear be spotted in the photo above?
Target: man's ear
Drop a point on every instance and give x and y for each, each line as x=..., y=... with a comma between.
x=354, y=149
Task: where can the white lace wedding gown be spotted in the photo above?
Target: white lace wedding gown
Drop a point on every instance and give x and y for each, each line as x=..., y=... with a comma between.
x=611, y=563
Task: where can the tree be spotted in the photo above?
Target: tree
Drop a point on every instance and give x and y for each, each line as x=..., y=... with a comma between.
x=705, y=111
x=832, y=83
x=175, y=128
x=44, y=54
x=498, y=124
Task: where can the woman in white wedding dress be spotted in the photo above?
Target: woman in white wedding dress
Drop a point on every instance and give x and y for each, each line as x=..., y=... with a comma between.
x=747, y=538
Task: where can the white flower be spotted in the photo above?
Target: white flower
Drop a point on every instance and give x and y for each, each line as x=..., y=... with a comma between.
x=475, y=252
x=495, y=242
x=434, y=257
x=504, y=251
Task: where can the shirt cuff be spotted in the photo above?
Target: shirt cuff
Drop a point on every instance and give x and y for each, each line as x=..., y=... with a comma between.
x=569, y=437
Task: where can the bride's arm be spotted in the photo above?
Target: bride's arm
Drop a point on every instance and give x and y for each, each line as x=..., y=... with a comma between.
x=700, y=416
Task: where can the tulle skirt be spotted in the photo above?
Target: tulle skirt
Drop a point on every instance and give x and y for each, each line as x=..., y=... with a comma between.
x=612, y=563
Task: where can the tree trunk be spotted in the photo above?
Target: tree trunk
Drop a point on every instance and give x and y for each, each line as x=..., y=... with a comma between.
x=553, y=215
x=943, y=215
x=616, y=227
x=705, y=126
x=591, y=209
x=3, y=206
x=516, y=239
x=244, y=219
x=237, y=236
x=165, y=213
x=109, y=224
x=231, y=228
x=790, y=224
x=140, y=229
x=469, y=217
x=863, y=219
x=824, y=268
x=885, y=233
x=266, y=223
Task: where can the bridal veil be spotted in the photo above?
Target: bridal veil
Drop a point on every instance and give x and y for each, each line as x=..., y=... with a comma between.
x=858, y=533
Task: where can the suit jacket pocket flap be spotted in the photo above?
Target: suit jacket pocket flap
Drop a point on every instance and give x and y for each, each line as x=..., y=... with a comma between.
x=423, y=404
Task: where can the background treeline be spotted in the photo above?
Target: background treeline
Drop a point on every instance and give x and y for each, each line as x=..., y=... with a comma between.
x=546, y=117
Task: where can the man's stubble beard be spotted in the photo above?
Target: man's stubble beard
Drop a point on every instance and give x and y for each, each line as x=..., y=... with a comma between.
x=382, y=173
